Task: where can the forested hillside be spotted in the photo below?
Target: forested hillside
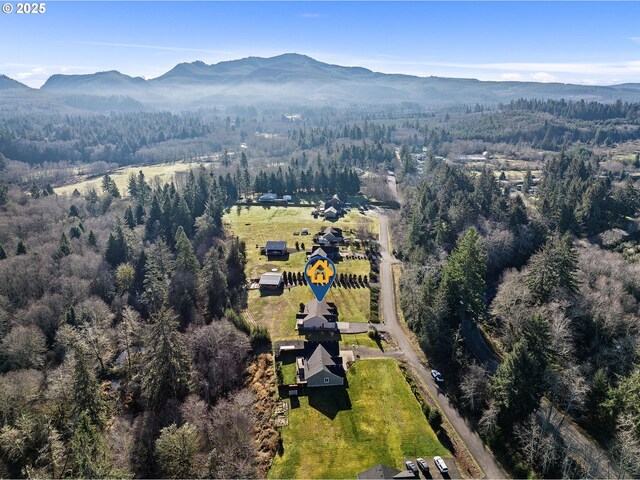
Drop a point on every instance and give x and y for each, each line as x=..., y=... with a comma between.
x=560, y=313
x=122, y=350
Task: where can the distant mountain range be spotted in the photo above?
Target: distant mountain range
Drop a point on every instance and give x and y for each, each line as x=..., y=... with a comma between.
x=298, y=79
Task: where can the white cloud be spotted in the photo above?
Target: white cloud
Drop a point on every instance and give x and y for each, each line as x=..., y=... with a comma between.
x=635, y=39
x=544, y=77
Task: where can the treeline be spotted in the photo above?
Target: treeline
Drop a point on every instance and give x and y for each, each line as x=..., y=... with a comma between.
x=111, y=138
x=313, y=137
x=122, y=352
x=527, y=128
x=580, y=110
x=574, y=197
x=296, y=180
x=563, y=320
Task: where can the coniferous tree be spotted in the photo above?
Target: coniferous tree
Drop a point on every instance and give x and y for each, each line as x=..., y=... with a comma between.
x=154, y=219
x=116, y=252
x=92, y=240
x=64, y=248
x=166, y=373
x=139, y=214
x=184, y=282
x=128, y=218
x=156, y=291
x=87, y=393
x=88, y=450
x=132, y=186
x=236, y=277
x=212, y=285
x=73, y=211
x=21, y=249
x=463, y=282
x=181, y=215
x=527, y=183
x=518, y=385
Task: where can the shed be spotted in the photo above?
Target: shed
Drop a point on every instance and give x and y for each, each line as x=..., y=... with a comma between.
x=276, y=249
x=271, y=281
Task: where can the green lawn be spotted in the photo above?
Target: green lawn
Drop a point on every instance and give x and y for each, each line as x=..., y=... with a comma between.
x=337, y=433
x=258, y=224
x=278, y=312
x=288, y=365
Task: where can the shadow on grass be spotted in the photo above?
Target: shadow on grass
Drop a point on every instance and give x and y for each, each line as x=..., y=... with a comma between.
x=271, y=293
x=322, y=336
x=295, y=401
x=329, y=400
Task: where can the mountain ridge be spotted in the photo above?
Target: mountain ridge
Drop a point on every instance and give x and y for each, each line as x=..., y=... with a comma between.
x=302, y=79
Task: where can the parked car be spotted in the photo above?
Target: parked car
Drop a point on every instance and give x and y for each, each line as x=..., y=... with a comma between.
x=422, y=465
x=437, y=376
x=411, y=467
x=440, y=464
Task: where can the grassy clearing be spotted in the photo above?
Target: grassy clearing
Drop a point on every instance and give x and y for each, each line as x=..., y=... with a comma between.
x=278, y=312
x=257, y=224
x=337, y=433
x=164, y=171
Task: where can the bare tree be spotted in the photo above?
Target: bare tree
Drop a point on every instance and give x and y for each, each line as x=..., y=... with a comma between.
x=474, y=386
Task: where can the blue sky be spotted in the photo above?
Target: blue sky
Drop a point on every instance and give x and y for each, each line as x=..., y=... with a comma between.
x=589, y=43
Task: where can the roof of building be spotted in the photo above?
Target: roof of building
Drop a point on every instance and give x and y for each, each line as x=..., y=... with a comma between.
x=314, y=307
x=269, y=195
x=271, y=278
x=271, y=245
x=334, y=230
x=321, y=356
x=324, y=250
x=380, y=471
x=330, y=210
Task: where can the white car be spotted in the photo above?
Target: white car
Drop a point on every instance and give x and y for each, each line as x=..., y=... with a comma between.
x=437, y=376
x=440, y=464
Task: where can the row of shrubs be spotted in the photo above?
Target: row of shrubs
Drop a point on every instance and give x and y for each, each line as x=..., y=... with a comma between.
x=342, y=280
x=374, y=316
x=433, y=415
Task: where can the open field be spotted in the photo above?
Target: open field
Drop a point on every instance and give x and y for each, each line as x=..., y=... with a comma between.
x=278, y=312
x=258, y=224
x=337, y=432
x=164, y=171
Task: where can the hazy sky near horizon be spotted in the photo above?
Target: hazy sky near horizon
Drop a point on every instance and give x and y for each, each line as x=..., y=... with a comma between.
x=572, y=42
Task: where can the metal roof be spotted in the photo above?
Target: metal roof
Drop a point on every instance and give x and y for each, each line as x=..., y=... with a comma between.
x=271, y=245
x=271, y=278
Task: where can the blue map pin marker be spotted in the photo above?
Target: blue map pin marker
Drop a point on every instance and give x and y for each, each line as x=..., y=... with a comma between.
x=320, y=273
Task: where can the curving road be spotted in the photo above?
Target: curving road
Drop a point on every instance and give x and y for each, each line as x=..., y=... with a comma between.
x=474, y=443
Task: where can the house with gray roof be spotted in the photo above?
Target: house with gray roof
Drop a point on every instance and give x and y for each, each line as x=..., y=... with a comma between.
x=329, y=251
x=317, y=316
x=321, y=365
x=331, y=235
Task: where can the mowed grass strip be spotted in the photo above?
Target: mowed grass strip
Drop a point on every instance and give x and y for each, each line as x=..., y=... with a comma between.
x=337, y=433
x=164, y=171
x=278, y=312
x=258, y=224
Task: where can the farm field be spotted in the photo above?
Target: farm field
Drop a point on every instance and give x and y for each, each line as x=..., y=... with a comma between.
x=337, y=432
x=163, y=171
x=277, y=312
x=258, y=224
